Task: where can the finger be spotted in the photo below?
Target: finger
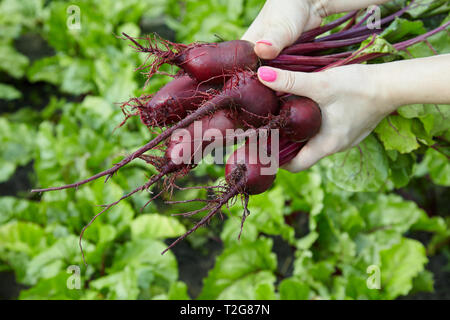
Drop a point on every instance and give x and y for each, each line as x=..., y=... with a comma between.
x=262, y=37
x=278, y=25
x=299, y=83
x=275, y=37
x=309, y=155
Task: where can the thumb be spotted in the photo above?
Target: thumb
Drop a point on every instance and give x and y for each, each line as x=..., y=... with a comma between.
x=299, y=83
x=273, y=41
x=278, y=25
x=310, y=154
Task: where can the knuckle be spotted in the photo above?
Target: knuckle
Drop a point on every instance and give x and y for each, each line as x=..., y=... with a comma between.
x=289, y=31
x=289, y=81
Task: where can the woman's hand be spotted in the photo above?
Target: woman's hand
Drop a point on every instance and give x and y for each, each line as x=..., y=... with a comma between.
x=281, y=22
x=351, y=104
x=355, y=98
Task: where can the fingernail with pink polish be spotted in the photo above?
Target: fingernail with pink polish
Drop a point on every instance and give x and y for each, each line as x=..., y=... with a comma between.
x=265, y=42
x=267, y=74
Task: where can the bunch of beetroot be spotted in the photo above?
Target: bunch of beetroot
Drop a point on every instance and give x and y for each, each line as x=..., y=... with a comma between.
x=217, y=86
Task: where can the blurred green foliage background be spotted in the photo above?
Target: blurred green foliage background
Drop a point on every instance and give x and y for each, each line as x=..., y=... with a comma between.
x=312, y=236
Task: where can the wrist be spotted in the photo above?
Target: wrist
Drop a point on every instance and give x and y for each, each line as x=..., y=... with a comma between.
x=340, y=6
x=382, y=90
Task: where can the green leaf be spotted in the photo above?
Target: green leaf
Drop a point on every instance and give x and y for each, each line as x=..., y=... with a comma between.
x=402, y=169
x=25, y=237
x=423, y=282
x=239, y=269
x=235, y=8
x=363, y=168
x=122, y=285
x=96, y=111
x=370, y=244
x=251, y=287
x=438, y=42
x=8, y=92
x=54, y=288
x=293, y=289
x=390, y=212
x=18, y=145
x=400, y=28
x=396, y=134
x=232, y=228
x=377, y=45
x=77, y=77
x=430, y=224
x=436, y=121
x=303, y=189
x=433, y=116
x=422, y=7
x=13, y=208
x=266, y=215
x=7, y=169
x=155, y=272
x=438, y=166
x=264, y=290
x=333, y=240
x=400, y=265
x=343, y=214
x=50, y=262
x=113, y=88
x=178, y=291
x=307, y=241
x=47, y=69
x=12, y=62
x=266, y=211
x=155, y=226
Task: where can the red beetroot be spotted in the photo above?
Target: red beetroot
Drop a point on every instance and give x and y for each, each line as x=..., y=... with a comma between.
x=213, y=129
x=188, y=146
x=209, y=62
x=242, y=92
x=244, y=176
x=243, y=169
x=174, y=101
x=301, y=119
x=205, y=62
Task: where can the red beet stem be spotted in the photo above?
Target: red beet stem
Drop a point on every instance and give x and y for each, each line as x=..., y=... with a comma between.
x=364, y=19
x=401, y=45
x=311, y=34
x=351, y=23
x=303, y=48
x=304, y=60
x=360, y=30
x=405, y=44
x=289, y=152
x=294, y=67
